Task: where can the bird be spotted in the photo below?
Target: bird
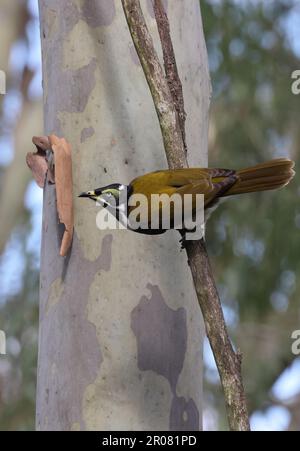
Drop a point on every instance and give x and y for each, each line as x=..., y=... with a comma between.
x=213, y=183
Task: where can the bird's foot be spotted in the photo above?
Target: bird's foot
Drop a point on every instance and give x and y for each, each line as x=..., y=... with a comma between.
x=182, y=240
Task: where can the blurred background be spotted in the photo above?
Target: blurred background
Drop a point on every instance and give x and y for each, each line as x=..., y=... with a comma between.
x=254, y=242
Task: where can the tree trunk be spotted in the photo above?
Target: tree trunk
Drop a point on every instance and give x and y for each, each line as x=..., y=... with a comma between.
x=120, y=344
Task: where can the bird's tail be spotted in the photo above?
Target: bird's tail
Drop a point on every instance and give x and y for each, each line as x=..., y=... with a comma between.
x=266, y=176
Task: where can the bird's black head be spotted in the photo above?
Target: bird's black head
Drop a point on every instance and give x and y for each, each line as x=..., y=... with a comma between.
x=109, y=195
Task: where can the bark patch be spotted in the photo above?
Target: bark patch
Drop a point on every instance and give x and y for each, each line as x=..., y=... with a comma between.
x=161, y=335
x=184, y=415
x=86, y=133
x=98, y=13
x=76, y=87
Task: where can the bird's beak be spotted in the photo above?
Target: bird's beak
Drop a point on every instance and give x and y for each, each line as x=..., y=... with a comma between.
x=85, y=194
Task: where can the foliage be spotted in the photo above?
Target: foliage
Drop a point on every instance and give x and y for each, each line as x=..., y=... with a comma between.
x=254, y=239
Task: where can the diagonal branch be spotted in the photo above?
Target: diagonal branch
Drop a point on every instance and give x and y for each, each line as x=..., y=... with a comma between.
x=169, y=110
x=162, y=97
x=171, y=70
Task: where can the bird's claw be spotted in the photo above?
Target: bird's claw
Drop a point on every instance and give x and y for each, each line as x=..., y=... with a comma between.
x=182, y=241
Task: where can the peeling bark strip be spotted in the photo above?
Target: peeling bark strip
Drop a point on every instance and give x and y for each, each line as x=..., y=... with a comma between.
x=37, y=161
x=61, y=176
x=228, y=362
x=64, y=189
x=38, y=165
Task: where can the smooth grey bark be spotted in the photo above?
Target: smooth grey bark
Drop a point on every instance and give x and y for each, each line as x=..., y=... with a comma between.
x=120, y=345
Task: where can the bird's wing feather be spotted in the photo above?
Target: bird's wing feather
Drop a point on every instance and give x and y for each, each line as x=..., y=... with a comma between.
x=209, y=182
x=172, y=178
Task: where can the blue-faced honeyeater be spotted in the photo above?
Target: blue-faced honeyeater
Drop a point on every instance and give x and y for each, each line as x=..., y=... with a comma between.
x=213, y=183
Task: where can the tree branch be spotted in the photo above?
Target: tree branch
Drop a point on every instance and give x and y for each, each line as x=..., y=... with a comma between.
x=173, y=79
x=169, y=107
x=162, y=98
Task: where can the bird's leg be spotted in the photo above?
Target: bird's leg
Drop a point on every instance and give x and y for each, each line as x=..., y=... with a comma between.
x=182, y=241
x=183, y=233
